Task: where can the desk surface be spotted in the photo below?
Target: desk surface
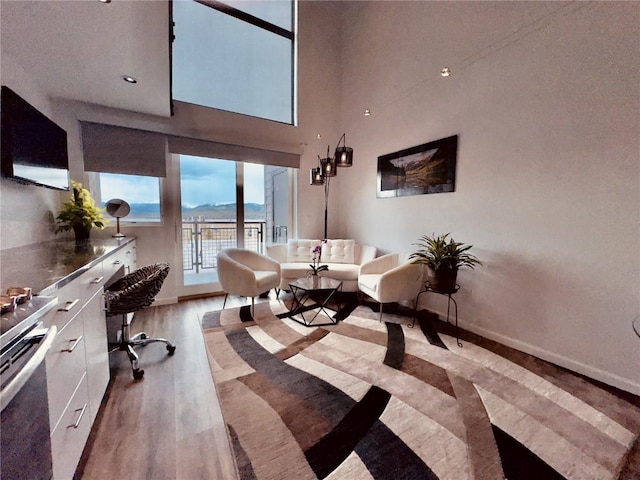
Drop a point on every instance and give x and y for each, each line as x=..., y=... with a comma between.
x=47, y=266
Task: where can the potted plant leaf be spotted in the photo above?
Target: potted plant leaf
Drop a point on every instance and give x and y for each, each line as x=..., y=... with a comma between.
x=443, y=256
x=80, y=213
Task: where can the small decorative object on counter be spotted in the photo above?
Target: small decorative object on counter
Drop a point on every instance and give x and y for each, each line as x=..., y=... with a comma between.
x=8, y=303
x=22, y=294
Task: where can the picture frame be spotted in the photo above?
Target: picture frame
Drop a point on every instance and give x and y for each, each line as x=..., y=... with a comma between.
x=423, y=169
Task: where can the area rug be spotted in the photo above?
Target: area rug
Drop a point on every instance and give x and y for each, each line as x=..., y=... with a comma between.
x=365, y=399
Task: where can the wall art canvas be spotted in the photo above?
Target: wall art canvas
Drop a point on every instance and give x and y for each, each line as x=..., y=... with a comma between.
x=427, y=168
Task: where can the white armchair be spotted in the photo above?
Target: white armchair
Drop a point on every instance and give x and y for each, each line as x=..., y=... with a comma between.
x=390, y=278
x=246, y=273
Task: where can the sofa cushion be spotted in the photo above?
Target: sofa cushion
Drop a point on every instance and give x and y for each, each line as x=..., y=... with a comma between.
x=341, y=271
x=291, y=271
x=338, y=251
x=301, y=250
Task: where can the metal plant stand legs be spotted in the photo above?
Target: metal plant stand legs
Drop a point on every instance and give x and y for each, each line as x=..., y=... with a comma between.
x=449, y=295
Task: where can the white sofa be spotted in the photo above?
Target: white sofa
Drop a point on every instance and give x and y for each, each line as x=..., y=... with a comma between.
x=343, y=257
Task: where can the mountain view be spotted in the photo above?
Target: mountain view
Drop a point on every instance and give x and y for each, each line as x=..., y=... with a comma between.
x=227, y=211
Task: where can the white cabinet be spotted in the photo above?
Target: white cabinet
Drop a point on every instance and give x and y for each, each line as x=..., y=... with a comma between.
x=70, y=435
x=96, y=352
x=78, y=362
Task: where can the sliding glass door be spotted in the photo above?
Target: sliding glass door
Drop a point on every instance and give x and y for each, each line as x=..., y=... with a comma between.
x=228, y=204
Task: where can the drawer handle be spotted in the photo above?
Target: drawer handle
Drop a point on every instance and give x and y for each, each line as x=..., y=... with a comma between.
x=97, y=280
x=75, y=341
x=69, y=305
x=117, y=262
x=79, y=419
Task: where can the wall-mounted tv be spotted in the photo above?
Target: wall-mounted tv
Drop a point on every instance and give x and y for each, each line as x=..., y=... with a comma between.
x=33, y=148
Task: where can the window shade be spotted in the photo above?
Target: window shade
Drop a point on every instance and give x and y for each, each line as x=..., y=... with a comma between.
x=225, y=151
x=112, y=149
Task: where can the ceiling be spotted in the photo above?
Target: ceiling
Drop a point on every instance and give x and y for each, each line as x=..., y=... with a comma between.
x=80, y=50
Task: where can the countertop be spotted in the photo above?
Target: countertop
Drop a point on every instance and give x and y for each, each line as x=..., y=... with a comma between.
x=47, y=266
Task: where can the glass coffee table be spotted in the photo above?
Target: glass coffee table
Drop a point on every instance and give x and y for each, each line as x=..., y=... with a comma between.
x=319, y=290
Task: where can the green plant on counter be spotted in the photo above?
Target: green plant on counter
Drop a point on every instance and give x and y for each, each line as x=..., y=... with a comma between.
x=80, y=213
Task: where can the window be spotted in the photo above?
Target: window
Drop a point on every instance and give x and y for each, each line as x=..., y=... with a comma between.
x=140, y=192
x=237, y=56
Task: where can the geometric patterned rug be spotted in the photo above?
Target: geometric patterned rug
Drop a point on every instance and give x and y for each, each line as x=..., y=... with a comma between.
x=369, y=400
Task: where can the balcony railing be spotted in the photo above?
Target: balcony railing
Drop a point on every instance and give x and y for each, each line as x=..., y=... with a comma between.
x=203, y=240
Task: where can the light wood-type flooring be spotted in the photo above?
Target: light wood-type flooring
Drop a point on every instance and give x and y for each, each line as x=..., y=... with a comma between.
x=167, y=425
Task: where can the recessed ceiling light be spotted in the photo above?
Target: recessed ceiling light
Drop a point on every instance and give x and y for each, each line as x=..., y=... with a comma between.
x=104, y=1
x=129, y=79
x=367, y=113
x=445, y=72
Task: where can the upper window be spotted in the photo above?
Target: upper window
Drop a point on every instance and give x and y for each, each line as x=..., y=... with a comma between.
x=237, y=56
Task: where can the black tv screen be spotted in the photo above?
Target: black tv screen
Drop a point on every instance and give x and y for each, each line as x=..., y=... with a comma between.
x=33, y=148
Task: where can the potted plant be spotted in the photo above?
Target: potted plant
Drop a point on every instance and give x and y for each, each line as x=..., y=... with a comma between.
x=316, y=268
x=80, y=213
x=443, y=256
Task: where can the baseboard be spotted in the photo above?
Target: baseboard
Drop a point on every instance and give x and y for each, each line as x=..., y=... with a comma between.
x=552, y=357
x=165, y=301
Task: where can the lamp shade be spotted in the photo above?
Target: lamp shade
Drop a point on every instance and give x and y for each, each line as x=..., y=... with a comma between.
x=344, y=156
x=328, y=166
x=316, y=177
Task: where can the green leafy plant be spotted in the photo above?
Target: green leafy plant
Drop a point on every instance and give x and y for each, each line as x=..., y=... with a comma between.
x=441, y=251
x=80, y=211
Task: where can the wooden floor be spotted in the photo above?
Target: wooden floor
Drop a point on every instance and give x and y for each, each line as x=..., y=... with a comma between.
x=167, y=425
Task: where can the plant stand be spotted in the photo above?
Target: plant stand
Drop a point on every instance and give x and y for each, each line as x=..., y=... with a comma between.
x=449, y=294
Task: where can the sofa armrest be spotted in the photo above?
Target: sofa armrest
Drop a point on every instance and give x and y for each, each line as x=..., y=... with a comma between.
x=278, y=252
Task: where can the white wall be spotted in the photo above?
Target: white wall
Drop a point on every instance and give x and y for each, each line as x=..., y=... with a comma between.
x=548, y=172
x=26, y=211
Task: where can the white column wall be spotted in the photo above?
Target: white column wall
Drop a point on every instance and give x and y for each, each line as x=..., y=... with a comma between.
x=548, y=171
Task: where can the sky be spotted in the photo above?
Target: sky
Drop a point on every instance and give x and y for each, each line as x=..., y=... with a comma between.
x=209, y=181
x=203, y=181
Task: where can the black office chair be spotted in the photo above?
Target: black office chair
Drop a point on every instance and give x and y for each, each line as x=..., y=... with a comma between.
x=129, y=294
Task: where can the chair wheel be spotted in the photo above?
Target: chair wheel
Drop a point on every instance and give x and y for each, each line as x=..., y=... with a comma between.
x=171, y=349
x=143, y=336
x=138, y=373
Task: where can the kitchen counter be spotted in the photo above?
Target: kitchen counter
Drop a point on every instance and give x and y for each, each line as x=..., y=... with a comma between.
x=48, y=266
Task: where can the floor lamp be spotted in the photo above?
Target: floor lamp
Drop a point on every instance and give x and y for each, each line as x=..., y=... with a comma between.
x=327, y=168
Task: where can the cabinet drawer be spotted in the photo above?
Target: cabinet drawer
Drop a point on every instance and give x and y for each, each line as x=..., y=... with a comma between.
x=74, y=295
x=70, y=435
x=123, y=258
x=65, y=367
x=90, y=282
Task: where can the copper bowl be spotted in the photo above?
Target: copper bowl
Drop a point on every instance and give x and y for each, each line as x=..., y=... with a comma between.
x=21, y=293
x=8, y=303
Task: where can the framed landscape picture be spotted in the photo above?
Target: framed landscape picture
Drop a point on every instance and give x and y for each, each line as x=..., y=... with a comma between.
x=427, y=168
